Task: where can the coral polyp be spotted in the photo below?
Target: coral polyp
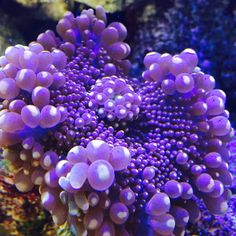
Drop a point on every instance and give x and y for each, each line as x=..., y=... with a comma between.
x=105, y=150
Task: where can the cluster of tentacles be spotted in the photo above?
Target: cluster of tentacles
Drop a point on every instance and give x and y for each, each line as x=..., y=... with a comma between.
x=107, y=151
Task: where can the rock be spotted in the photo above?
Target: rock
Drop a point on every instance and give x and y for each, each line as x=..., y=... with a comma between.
x=52, y=9
x=109, y=5
x=9, y=34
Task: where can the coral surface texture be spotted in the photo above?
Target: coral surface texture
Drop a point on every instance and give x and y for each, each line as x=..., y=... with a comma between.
x=105, y=153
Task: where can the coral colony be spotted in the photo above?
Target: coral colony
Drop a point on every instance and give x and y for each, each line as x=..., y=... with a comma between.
x=106, y=150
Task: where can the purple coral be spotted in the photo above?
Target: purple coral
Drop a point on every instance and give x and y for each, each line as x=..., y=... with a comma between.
x=104, y=148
